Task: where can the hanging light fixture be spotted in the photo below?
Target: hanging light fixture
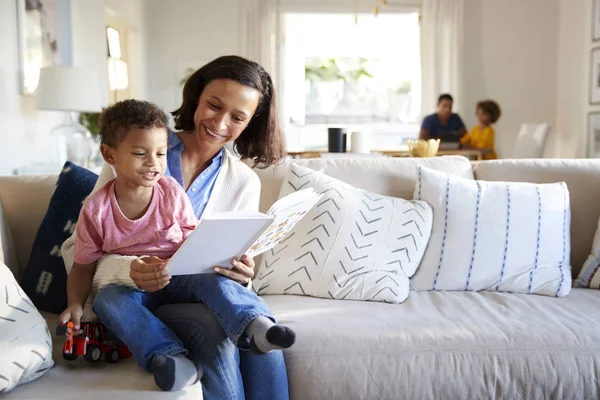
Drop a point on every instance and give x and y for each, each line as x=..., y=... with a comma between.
x=376, y=6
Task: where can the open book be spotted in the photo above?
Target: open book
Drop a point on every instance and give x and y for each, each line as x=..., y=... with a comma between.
x=222, y=237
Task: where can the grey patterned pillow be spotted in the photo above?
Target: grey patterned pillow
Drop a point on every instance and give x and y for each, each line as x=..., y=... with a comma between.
x=25, y=343
x=353, y=245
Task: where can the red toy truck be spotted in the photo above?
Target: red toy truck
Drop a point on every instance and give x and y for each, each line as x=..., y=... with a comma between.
x=92, y=343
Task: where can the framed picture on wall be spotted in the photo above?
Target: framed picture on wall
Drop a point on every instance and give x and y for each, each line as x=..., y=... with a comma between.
x=596, y=21
x=595, y=76
x=39, y=39
x=593, y=147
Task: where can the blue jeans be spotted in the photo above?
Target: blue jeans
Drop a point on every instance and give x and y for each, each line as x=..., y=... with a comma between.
x=228, y=373
x=127, y=312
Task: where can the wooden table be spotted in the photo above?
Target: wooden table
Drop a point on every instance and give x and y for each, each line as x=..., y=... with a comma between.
x=477, y=154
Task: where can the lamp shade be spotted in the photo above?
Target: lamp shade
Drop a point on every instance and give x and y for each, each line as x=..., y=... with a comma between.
x=68, y=89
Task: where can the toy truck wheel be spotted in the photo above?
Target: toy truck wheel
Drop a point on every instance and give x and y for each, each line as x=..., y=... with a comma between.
x=93, y=353
x=112, y=356
x=70, y=357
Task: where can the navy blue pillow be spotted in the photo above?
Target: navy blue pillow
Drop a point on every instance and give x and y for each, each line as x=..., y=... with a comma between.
x=45, y=278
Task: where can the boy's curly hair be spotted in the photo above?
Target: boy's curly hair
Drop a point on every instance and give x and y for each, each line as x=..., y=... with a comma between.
x=116, y=121
x=492, y=108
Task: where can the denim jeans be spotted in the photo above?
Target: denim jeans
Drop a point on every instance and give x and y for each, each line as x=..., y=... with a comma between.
x=228, y=373
x=127, y=312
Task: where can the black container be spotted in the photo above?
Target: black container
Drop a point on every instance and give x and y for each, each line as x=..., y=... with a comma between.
x=336, y=140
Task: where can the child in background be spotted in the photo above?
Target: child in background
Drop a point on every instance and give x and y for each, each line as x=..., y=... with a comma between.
x=144, y=213
x=482, y=135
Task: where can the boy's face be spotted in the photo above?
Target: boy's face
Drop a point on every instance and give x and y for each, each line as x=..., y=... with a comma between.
x=141, y=158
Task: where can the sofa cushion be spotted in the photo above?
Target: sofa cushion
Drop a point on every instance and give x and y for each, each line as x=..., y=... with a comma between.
x=353, y=245
x=499, y=236
x=387, y=176
x=45, y=277
x=580, y=176
x=464, y=345
x=79, y=379
x=24, y=338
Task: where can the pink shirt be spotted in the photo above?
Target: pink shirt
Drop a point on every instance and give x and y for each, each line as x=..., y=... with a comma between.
x=103, y=229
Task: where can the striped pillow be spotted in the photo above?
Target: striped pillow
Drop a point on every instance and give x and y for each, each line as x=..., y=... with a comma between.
x=496, y=236
x=589, y=276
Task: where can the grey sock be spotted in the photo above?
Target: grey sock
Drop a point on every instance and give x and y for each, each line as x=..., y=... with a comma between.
x=265, y=336
x=173, y=373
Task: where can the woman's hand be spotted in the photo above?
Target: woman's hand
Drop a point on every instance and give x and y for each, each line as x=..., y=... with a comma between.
x=241, y=272
x=149, y=273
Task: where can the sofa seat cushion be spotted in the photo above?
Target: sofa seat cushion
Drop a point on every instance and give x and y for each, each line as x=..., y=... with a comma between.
x=463, y=344
x=79, y=379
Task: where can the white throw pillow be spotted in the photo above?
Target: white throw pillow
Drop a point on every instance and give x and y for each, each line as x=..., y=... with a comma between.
x=497, y=236
x=25, y=343
x=353, y=245
x=589, y=276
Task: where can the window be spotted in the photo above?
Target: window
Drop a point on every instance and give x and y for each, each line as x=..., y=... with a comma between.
x=362, y=76
x=118, y=71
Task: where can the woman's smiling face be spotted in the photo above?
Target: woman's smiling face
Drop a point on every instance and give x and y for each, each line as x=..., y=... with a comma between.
x=225, y=109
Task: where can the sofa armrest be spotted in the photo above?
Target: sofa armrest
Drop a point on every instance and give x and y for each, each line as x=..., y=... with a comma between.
x=25, y=202
x=7, y=248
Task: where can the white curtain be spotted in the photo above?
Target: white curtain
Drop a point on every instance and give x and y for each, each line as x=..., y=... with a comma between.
x=258, y=33
x=441, y=52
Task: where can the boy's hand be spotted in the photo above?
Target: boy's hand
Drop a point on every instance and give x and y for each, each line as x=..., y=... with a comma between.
x=73, y=314
x=149, y=273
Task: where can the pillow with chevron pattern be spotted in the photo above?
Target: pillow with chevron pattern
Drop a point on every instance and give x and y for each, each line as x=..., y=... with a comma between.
x=25, y=342
x=352, y=245
x=495, y=236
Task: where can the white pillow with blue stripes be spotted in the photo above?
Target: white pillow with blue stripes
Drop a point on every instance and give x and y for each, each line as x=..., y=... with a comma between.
x=495, y=236
x=589, y=276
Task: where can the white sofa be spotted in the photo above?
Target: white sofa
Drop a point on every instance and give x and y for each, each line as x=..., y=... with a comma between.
x=444, y=345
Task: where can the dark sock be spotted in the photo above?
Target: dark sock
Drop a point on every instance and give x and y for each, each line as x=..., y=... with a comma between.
x=172, y=373
x=266, y=336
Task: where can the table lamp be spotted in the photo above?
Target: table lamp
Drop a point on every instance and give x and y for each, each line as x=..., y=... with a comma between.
x=73, y=90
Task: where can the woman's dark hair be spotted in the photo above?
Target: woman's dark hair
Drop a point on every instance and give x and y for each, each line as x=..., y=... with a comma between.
x=445, y=96
x=116, y=121
x=490, y=107
x=262, y=140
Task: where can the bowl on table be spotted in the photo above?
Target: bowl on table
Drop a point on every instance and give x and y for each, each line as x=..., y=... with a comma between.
x=423, y=148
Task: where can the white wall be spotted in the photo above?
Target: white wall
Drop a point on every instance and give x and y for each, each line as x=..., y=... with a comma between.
x=510, y=55
x=24, y=131
x=569, y=138
x=186, y=33
x=25, y=134
x=88, y=23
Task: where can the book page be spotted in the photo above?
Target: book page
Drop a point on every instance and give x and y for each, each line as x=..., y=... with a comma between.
x=286, y=216
x=292, y=200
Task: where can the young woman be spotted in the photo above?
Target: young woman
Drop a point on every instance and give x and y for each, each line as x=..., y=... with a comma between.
x=230, y=99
